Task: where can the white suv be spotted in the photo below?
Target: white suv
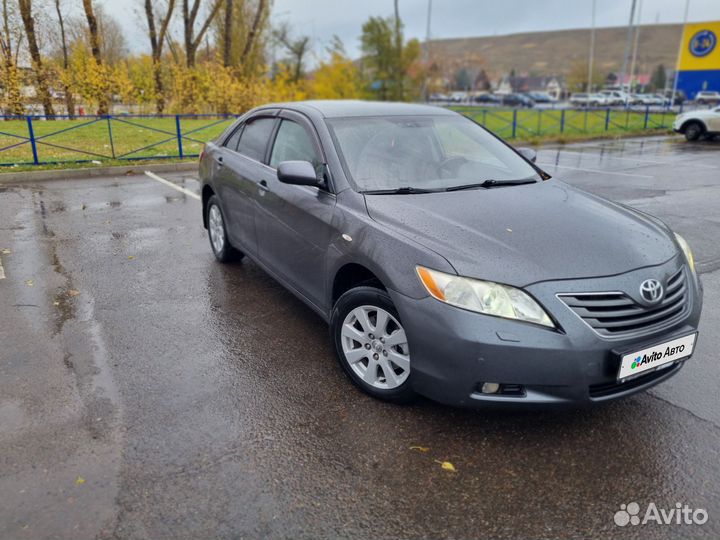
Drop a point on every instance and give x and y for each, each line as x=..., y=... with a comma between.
x=707, y=98
x=695, y=124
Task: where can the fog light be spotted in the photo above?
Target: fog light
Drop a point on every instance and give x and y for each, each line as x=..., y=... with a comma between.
x=490, y=388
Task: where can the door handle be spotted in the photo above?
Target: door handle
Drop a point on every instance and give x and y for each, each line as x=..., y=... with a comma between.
x=220, y=161
x=263, y=185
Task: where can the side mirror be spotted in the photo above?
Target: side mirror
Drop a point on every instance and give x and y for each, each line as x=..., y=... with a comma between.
x=528, y=153
x=299, y=173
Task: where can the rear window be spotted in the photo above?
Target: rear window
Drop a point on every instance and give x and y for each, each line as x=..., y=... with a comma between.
x=255, y=137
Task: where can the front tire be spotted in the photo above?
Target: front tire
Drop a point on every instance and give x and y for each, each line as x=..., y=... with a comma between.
x=217, y=233
x=371, y=344
x=693, y=131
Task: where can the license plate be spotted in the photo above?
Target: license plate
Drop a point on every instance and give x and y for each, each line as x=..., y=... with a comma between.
x=637, y=362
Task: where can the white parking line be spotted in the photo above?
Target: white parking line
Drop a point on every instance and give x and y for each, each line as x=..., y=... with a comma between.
x=172, y=185
x=596, y=171
x=2, y=270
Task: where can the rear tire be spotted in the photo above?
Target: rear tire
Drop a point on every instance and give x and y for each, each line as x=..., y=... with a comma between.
x=217, y=233
x=371, y=344
x=693, y=131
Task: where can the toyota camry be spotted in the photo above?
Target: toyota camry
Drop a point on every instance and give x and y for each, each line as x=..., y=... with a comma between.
x=446, y=262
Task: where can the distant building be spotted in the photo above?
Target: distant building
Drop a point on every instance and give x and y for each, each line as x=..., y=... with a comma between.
x=699, y=59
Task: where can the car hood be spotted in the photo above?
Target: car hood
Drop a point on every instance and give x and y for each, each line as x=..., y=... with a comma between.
x=524, y=234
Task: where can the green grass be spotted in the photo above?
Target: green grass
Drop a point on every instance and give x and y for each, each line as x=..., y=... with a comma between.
x=69, y=141
x=547, y=124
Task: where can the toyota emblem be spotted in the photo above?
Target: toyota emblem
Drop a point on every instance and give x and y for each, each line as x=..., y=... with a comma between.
x=651, y=290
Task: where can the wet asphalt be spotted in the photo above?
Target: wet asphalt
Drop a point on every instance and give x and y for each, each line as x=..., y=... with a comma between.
x=147, y=391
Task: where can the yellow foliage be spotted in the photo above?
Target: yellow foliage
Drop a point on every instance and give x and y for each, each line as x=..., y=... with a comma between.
x=91, y=80
x=337, y=79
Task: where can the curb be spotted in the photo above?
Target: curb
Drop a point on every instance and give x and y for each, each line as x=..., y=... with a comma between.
x=91, y=172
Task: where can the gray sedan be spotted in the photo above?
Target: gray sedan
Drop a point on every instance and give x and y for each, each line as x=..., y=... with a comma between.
x=445, y=261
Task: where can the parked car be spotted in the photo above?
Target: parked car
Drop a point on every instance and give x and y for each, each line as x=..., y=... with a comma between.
x=646, y=100
x=458, y=97
x=439, y=97
x=438, y=254
x=699, y=123
x=582, y=99
x=487, y=98
x=707, y=97
x=614, y=97
x=517, y=100
x=540, y=97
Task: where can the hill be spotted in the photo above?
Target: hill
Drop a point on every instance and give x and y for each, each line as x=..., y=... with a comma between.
x=555, y=52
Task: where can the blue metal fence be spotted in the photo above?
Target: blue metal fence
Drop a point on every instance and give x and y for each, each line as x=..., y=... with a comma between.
x=41, y=140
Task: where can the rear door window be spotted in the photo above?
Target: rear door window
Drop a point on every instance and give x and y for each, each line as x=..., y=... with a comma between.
x=255, y=137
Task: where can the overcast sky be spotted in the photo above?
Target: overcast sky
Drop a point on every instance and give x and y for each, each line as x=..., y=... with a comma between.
x=320, y=19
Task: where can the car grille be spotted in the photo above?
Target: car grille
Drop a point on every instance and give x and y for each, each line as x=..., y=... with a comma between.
x=615, y=314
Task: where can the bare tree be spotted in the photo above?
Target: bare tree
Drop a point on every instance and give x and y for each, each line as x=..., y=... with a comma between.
x=297, y=49
x=190, y=14
x=156, y=45
x=398, y=51
x=228, y=34
x=95, y=48
x=253, y=31
x=39, y=70
x=69, y=97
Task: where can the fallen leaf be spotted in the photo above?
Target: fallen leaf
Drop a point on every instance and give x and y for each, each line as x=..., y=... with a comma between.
x=56, y=303
x=420, y=448
x=6, y=251
x=79, y=481
x=446, y=465
x=29, y=283
x=508, y=230
x=83, y=206
x=131, y=257
x=73, y=292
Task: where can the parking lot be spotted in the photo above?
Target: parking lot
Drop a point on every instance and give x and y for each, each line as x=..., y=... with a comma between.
x=148, y=391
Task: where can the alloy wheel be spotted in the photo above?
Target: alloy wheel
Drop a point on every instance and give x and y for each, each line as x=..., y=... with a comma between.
x=375, y=347
x=217, y=231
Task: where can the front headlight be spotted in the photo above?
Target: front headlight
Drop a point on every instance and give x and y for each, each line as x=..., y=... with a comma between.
x=686, y=250
x=483, y=296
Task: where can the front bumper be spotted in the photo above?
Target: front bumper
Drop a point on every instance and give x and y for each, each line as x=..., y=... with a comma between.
x=454, y=351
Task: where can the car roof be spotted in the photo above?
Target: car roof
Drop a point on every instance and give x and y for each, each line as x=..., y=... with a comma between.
x=335, y=108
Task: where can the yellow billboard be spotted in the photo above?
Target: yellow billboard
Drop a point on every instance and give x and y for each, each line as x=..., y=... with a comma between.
x=701, y=50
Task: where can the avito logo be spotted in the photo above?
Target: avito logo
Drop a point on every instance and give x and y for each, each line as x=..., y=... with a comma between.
x=656, y=355
x=703, y=43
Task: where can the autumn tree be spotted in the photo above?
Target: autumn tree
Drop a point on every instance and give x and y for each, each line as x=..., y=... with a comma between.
x=577, y=77
x=69, y=95
x=337, y=78
x=10, y=47
x=102, y=101
x=190, y=16
x=241, y=29
x=388, y=59
x=157, y=39
x=37, y=63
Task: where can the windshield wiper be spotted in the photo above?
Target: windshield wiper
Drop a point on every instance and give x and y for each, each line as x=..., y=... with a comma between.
x=492, y=183
x=406, y=190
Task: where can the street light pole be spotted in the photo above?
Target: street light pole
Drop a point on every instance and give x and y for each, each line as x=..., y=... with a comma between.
x=592, y=50
x=628, y=43
x=426, y=53
x=680, y=49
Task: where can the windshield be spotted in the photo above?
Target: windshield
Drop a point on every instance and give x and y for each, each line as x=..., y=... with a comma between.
x=422, y=152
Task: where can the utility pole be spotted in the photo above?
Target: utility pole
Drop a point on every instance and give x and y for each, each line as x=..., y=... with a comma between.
x=680, y=49
x=628, y=43
x=426, y=53
x=592, y=50
x=635, y=45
